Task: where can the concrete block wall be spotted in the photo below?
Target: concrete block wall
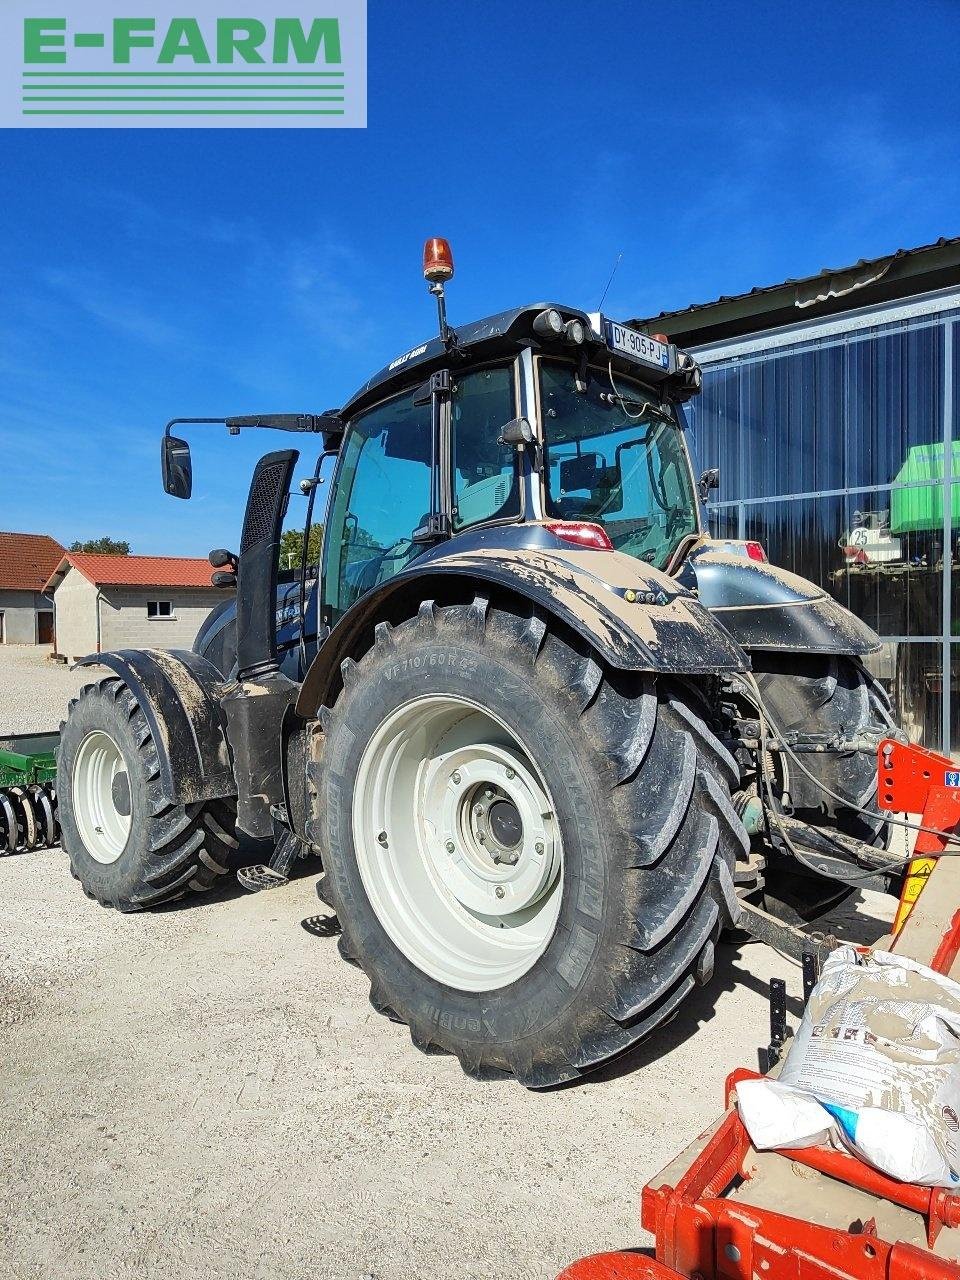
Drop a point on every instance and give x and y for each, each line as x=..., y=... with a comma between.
x=124, y=623
x=75, y=618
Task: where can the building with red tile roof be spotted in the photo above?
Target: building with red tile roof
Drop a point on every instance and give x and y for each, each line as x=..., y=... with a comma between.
x=26, y=563
x=129, y=602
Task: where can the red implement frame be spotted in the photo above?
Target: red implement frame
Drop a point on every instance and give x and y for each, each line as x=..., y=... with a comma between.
x=702, y=1233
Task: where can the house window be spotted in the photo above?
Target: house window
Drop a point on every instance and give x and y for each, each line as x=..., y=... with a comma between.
x=159, y=609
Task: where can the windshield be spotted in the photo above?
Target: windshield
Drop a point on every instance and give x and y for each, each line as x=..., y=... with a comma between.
x=616, y=458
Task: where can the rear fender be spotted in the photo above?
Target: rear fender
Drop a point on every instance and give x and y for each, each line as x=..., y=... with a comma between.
x=661, y=627
x=179, y=693
x=765, y=607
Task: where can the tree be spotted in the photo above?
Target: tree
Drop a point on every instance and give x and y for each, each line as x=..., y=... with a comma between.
x=291, y=546
x=102, y=547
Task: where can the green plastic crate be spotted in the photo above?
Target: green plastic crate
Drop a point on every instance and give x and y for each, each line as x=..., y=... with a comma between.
x=920, y=510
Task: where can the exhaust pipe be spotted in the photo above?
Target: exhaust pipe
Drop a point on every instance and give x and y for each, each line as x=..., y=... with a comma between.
x=255, y=704
x=259, y=563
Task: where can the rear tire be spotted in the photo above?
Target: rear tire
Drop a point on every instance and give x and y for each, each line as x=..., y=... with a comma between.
x=829, y=695
x=637, y=793
x=128, y=846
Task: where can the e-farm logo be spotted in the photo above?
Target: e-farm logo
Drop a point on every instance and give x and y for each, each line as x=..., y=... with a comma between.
x=101, y=65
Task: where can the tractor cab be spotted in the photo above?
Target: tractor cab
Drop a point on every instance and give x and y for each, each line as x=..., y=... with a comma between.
x=544, y=417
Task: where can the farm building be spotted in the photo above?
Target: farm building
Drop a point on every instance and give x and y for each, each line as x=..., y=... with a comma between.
x=26, y=562
x=830, y=406
x=123, y=602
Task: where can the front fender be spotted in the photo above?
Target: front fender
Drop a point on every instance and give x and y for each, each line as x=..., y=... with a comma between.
x=766, y=607
x=635, y=617
x=179, y=693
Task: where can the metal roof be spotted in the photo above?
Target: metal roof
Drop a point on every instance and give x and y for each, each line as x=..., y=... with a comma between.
x=819, y=291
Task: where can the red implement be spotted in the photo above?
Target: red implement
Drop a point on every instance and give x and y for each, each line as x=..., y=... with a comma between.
x=722, y=1211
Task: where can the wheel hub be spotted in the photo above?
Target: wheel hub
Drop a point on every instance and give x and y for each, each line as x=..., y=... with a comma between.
x=485, y=802
x=497, y=824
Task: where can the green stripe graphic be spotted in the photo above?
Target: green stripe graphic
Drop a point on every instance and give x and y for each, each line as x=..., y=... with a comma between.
x=95, y=111
x=176, y=88
x=156, y=97
x=266, y=72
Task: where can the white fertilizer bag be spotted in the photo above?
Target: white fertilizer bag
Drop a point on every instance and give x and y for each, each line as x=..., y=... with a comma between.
x=875, y=1065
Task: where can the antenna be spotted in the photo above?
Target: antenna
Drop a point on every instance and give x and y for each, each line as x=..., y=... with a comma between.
x=610, y=281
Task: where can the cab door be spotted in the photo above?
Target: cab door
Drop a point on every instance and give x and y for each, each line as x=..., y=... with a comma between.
x=382, y=496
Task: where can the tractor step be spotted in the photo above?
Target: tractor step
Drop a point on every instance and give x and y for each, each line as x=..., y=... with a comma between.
x=259, y=877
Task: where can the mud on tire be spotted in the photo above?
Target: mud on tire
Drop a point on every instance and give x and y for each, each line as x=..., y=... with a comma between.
x=171, y=850
x=641, y=787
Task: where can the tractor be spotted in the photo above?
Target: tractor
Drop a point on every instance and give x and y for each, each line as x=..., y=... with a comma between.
x=546, y=735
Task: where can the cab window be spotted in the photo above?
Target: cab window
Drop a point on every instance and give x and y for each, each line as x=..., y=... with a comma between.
x=615, y=457
x=485, y=473
x=381, y=497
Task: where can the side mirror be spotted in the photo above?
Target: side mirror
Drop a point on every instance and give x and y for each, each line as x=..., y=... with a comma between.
x=709, y=480
x=176, y=467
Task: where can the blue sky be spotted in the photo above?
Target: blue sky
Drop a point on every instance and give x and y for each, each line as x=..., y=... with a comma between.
x=150, y=274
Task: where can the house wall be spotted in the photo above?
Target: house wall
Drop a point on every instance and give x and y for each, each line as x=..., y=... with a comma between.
x=75, y=602
x=19, y=610
x=125, y=625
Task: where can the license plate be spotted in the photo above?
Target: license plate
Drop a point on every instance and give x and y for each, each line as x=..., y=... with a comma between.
x=638, y=346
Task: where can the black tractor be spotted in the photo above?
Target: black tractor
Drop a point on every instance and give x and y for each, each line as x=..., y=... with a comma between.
x=544, y=733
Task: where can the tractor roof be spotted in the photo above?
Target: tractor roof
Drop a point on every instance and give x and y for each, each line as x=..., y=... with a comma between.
x=500, y=334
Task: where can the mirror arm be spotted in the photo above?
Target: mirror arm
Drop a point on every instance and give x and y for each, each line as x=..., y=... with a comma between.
x=310, y=494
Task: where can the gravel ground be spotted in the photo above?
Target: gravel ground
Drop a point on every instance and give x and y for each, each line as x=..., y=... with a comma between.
x=34, y=690
x=206, y=1091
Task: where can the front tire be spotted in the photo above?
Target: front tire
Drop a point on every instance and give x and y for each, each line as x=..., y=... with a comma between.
x=128, y=846
x=617, y=810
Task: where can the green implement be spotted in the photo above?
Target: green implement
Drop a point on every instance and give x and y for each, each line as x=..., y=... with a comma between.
x=28, y=797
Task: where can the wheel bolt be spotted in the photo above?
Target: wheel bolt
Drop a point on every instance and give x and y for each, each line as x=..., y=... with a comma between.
x=382, y=838
x=478, y=810
x=456, y=776
x=538, y=847
x=511, y=774
x=488, y=794
x=499, y=891
x=451, y=847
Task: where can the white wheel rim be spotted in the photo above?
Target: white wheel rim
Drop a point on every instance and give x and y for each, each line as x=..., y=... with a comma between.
x=457, y=843
x=103, y=829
